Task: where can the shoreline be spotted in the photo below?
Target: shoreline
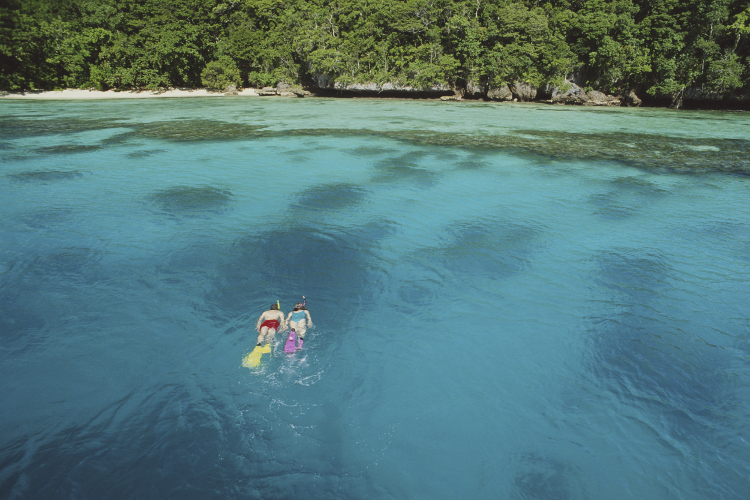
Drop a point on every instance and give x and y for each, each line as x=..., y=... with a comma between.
x=183, y=92
x=74, y=94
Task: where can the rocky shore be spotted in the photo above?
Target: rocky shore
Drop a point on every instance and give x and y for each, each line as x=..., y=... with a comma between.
x=567, y=93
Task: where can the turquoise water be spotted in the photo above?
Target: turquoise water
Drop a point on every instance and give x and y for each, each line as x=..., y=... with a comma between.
x=510, y=301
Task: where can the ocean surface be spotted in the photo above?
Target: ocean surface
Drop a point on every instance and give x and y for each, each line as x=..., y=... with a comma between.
x=511, y=301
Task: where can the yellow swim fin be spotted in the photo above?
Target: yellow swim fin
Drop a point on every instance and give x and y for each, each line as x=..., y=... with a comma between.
x=253, y=359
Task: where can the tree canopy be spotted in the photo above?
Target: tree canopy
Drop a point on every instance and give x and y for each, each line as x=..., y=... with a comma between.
x=660, y=47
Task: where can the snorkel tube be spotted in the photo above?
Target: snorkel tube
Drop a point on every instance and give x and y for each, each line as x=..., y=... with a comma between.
x=303, y=301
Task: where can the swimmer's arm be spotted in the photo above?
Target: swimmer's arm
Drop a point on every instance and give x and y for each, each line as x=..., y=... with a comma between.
x=309, y=319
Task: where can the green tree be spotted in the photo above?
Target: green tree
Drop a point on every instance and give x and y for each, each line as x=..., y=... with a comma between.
x=221, y=73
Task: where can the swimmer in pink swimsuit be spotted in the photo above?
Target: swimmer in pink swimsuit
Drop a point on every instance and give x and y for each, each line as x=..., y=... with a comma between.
x=269, y=323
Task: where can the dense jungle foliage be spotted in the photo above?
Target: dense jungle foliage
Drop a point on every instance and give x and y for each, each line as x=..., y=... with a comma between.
x=656, y=46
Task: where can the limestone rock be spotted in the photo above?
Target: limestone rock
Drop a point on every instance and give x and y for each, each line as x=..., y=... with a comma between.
x=230, y=90
x=474, y=90
x=388, y=86
x=500, y=93
x=288, y=90
x=524, y=91
x=568, y=93
x=597, y=98
x=632, y=100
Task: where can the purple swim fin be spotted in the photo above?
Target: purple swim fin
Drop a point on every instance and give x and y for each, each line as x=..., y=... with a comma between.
x=289, y=346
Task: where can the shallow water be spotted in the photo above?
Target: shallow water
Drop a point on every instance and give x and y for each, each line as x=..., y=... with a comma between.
x=510, y=301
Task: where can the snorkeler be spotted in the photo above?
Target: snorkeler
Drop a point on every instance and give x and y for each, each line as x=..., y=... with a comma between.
x=269, y=323
x=299, y=319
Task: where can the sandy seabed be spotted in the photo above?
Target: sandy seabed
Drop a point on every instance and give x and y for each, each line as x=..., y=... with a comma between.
x=71, y=94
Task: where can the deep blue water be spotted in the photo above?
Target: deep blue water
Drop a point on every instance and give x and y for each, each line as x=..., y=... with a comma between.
x=510, y=301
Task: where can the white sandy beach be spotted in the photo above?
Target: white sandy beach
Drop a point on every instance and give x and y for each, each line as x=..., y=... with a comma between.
x=71, y=94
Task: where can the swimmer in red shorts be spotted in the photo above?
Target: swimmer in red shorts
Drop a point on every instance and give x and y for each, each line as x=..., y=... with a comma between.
x=269, y=323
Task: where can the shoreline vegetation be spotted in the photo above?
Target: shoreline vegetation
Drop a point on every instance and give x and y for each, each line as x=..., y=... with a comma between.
x=665, y=53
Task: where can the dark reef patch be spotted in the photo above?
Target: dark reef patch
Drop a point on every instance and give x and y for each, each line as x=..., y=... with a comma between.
x=194, y=130
x=16, y=127
x=494, y=249
x=66, y=149
x=470, y=164
x=728, y=236
x=145, y=153
x=364, y=151
x=648, y=362
x=546, y=478
x=287, y=261
x=157, y=428
x=654, y=153
x=649, y=366
x=609, y=206
x=185, y=200
x=627, y=196
x=39, y=290
x=69, y=261
x=329, y=197
x=649, y=152
x=46, y=218
x=45, y=176
x=635, y=279
x=19, y=321
x=405, y=168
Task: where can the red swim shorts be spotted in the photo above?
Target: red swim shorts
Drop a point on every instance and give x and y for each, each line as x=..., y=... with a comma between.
x=270, y=323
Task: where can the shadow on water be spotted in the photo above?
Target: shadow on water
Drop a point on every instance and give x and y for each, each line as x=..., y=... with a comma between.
x=192, y=201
